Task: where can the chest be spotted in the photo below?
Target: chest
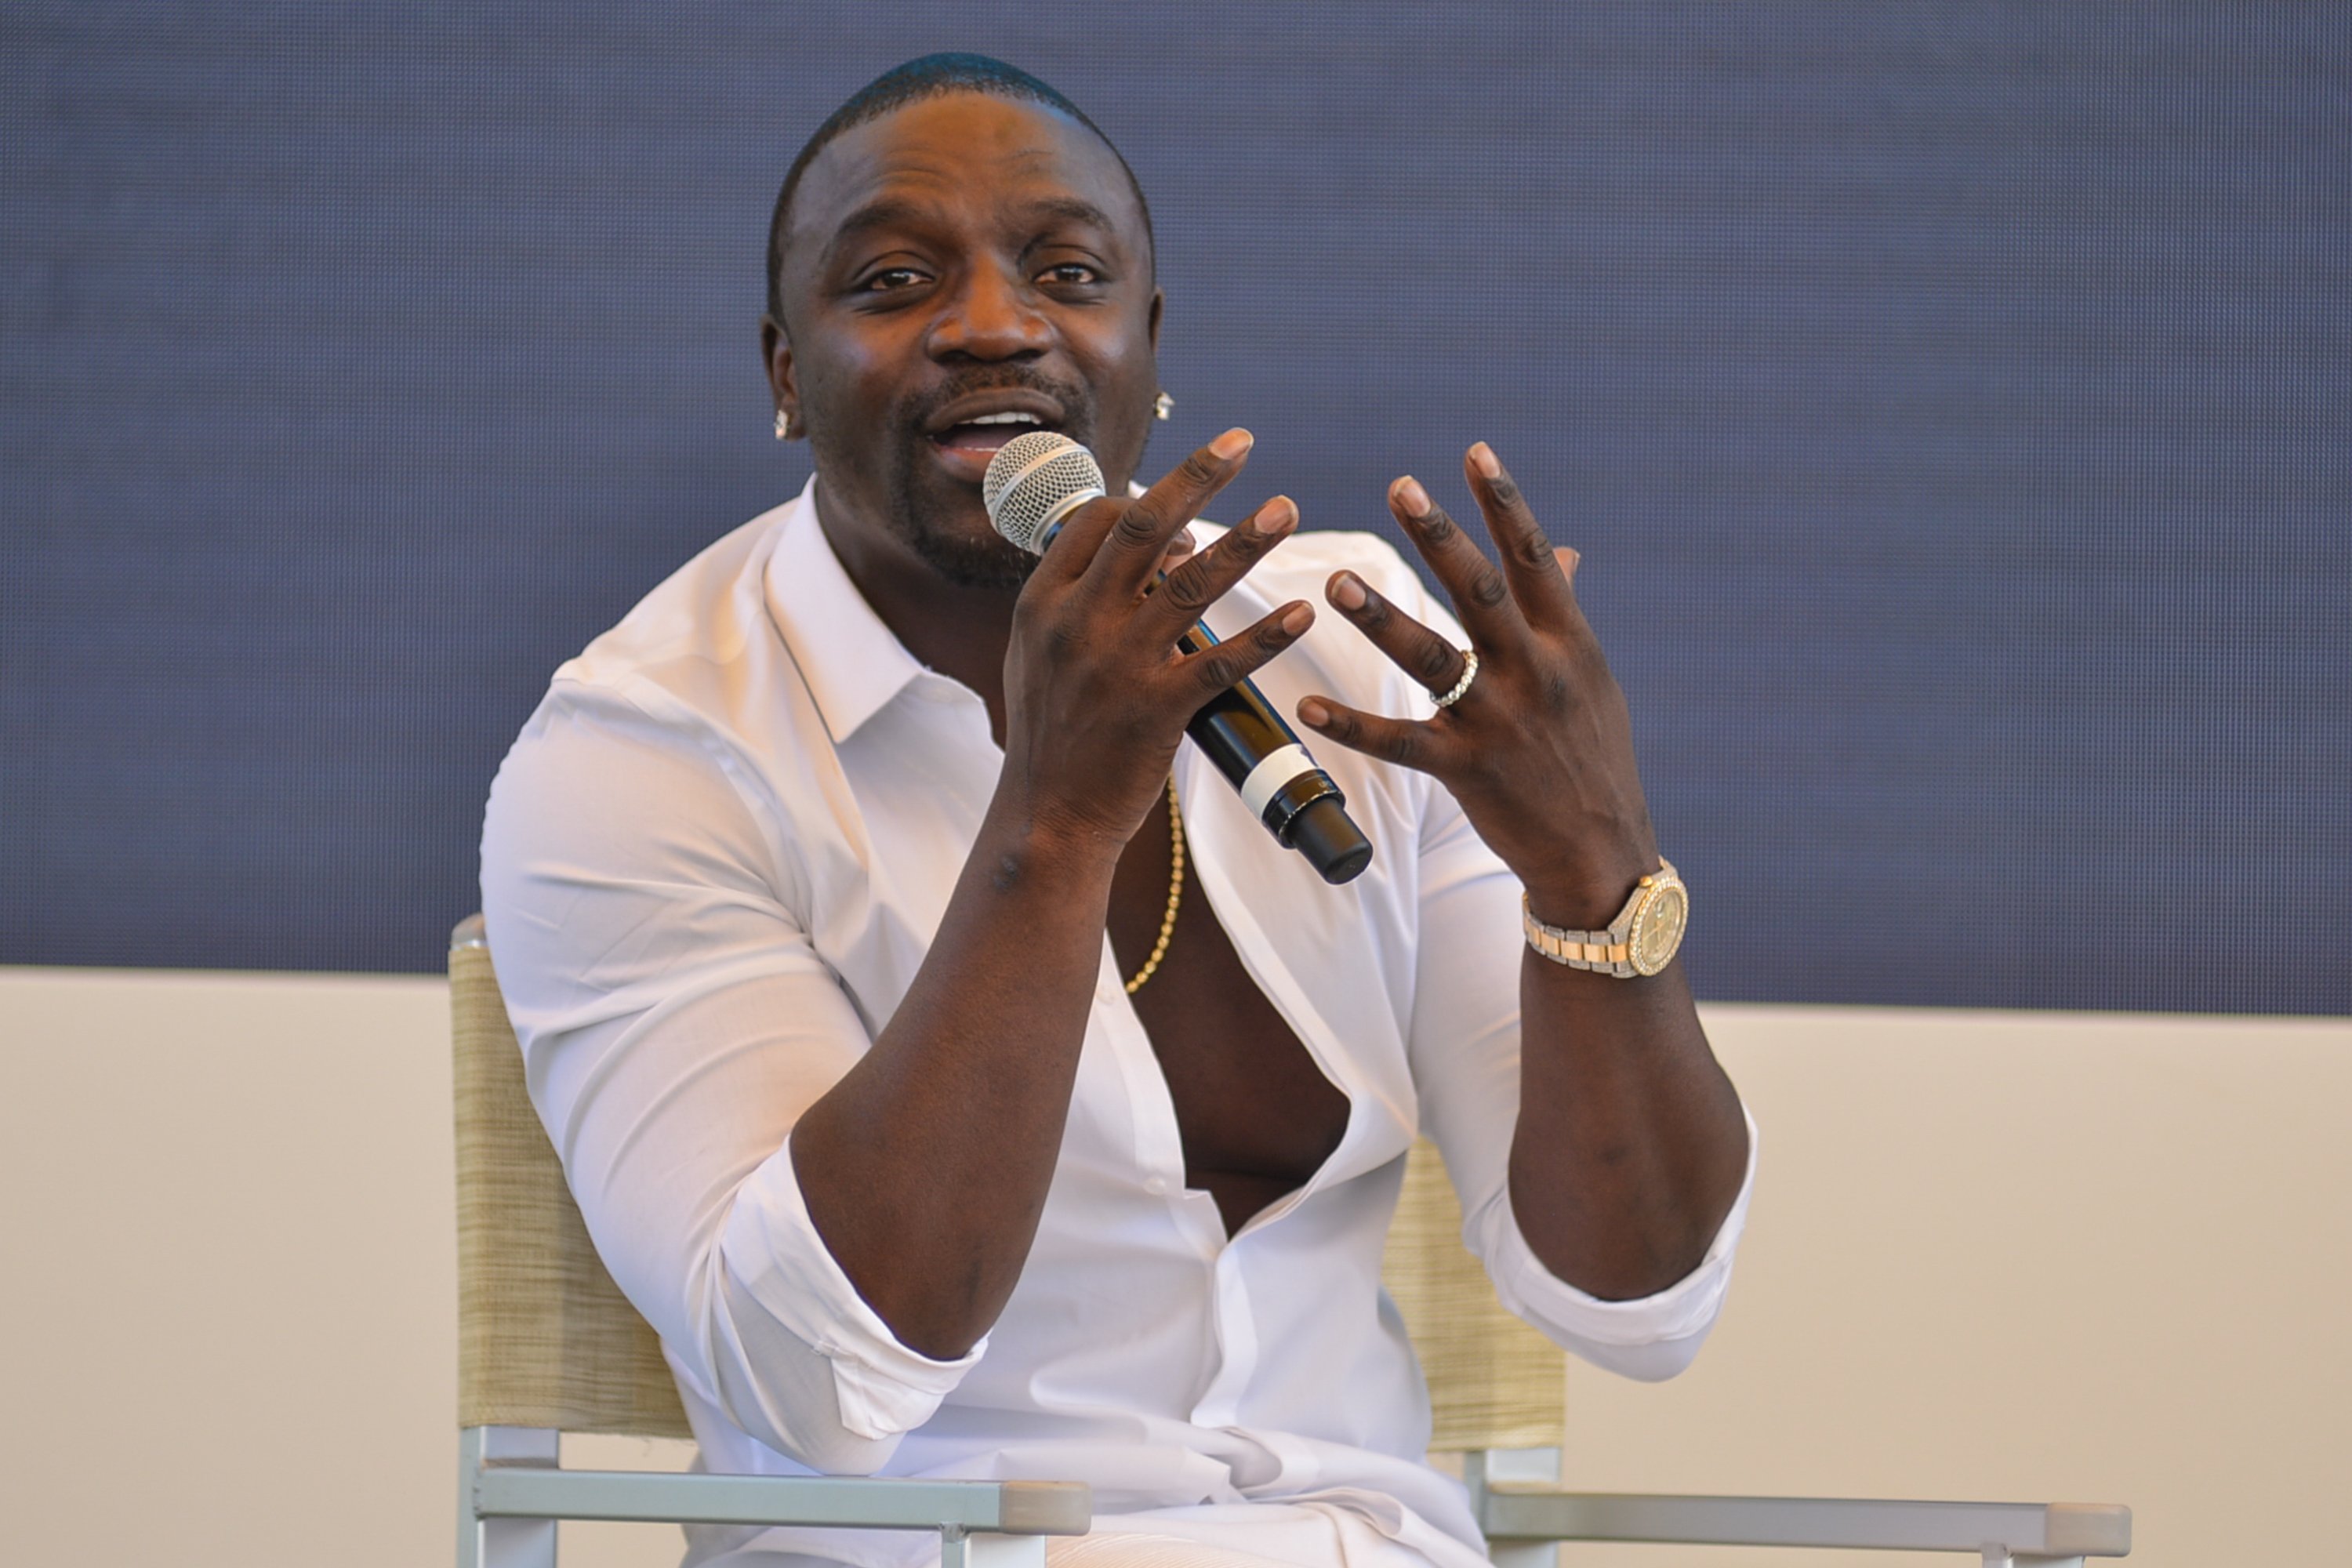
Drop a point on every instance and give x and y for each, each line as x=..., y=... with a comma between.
x=1255, y=1115
x=878, y=832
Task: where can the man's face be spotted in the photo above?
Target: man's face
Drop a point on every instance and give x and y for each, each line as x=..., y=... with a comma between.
x=956, y=273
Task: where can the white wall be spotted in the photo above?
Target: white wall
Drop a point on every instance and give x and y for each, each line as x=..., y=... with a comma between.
x=2041, y=1258
x=1994, y=1255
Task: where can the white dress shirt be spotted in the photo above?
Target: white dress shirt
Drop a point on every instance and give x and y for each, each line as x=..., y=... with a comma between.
x=711, y=866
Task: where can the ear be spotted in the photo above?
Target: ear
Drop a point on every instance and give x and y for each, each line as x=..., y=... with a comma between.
x=776, y=352
x=1159, y=303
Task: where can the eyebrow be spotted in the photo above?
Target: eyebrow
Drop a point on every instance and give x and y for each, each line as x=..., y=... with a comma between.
x=895, y=212
x=885, y=212
x=1076, y=211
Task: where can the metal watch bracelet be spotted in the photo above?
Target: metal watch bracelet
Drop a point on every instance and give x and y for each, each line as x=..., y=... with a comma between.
x=1640, y=940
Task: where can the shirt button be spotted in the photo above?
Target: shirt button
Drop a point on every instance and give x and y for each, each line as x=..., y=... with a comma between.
x=1157, y=1186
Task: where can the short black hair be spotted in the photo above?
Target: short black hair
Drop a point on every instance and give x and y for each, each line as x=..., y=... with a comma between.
x=931, y=76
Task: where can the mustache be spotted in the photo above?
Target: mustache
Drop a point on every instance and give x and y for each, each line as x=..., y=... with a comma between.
x=1076, y=399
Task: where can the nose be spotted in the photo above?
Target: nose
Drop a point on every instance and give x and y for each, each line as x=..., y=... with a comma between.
x=992, y=317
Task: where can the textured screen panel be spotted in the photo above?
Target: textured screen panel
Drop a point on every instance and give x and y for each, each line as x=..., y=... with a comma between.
x=1952, y=404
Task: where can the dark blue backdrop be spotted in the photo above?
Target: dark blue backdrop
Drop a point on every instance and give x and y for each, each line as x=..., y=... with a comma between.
x=1952, y=403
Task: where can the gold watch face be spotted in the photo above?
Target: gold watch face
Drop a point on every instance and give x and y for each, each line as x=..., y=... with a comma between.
x=1658, y=928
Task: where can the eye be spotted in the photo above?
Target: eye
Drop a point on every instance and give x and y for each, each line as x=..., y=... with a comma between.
x=889, y=279
x=1070, y=274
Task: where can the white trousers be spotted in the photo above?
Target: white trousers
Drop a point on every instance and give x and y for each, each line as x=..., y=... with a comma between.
x=1234, y=1535
x=1308, y=1534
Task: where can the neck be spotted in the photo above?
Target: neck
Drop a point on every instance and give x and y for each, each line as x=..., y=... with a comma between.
x=961, y=632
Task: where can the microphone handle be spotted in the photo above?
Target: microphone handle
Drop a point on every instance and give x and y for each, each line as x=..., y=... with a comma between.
x=1260, y=756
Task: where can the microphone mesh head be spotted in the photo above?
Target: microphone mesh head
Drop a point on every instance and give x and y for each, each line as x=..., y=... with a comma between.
x=1034, y=481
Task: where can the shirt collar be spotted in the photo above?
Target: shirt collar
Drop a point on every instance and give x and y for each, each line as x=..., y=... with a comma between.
x=853, y=663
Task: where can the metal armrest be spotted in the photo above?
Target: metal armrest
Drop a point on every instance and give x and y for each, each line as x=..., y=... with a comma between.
x=2003, y=1533
x=514, y=1494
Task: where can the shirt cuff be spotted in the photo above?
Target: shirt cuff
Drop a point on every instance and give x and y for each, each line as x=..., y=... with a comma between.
x=771, y=1249
x=1651, y=1337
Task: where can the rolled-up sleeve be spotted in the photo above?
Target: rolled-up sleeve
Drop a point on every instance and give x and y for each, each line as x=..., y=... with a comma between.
x=1651, y=1338
x=1464, y=1037
x=675, y=1021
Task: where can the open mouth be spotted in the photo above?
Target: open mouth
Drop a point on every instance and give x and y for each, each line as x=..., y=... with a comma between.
x=987, y=432
x=966, y=432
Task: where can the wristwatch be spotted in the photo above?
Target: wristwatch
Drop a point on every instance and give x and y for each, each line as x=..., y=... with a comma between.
x=1641, y=940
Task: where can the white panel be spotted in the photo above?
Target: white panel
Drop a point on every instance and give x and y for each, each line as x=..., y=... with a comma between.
x=2020, y=1257
x=1988, y=1258
x=228, y=1206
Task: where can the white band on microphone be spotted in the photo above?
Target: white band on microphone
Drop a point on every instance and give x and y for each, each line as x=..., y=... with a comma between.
x=1267, y=779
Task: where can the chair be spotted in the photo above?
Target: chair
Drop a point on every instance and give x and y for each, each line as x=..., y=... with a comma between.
x=547, y=1344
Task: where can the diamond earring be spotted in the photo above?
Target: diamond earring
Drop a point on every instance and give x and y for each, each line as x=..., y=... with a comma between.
x=1162, y=406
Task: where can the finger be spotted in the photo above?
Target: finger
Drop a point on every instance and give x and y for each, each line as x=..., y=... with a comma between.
x=1080, y=538
x=1195, y=586
x=1534, y=572
x=1222, y=665
x=1481, y=596
x=1181, y=545
x=1130, y=552
x=1410, y=646
x=1397, y=741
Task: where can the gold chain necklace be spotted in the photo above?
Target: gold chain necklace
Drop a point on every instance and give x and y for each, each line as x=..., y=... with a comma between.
x=1175, y=890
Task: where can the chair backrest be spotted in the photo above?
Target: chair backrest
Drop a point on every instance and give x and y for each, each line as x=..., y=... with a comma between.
x=545, y=1339
x=1494, y=1383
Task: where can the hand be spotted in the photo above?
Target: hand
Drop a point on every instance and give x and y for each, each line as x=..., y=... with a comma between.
x=1096, y=693
x=1539, y=750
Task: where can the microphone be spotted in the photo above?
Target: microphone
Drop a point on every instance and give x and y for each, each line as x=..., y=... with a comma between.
x=1037, y=479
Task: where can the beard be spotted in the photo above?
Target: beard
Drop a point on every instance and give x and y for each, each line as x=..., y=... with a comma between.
x=932, y=513
x=963, y=558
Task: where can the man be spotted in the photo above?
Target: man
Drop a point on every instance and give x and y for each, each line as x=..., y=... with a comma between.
x=946, y=1063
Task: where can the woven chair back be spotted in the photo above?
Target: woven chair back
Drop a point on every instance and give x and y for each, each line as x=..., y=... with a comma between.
x=545, y=1339
x=1494, y=1383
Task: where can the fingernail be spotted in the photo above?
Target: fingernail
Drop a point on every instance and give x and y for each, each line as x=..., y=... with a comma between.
x=1231, y=444
x=1348, y=591
x=1301, y=616
x=1181, y=543
x=1278, y=517
x=1411, y=497
x=1313, y=712
x=1482, y=457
